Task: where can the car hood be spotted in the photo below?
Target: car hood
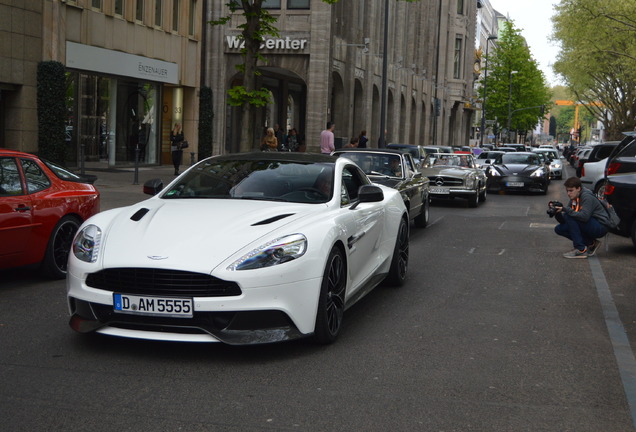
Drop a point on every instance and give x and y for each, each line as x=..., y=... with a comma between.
x=447, y=172
x=195, y=234
x=517, y=169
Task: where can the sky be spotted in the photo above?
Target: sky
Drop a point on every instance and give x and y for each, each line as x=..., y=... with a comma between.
x=533, y=19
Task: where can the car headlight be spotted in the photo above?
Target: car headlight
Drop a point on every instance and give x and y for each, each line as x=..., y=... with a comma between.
x=470, y=182
x=537, y=173
x=556, y=165
x=276, y=252
x=87, y=243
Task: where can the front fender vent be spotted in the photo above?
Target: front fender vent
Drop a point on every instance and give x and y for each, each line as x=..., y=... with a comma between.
x=272, y=219
x=139, y=214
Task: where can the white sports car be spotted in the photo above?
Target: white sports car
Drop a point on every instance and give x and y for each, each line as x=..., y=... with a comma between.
x=242, y=249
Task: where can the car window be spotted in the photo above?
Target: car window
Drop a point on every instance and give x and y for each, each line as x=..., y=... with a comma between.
x=268, y=180
x=36, y=180
x=10, y=183
x=629, y=151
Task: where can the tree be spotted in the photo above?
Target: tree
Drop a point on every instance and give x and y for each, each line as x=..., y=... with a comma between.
x=258, y=23
x=516, y=85
x=598, y=59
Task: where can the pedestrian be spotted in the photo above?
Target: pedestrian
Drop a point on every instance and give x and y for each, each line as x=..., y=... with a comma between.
x=327, y=139
x=176, y=145
x=278, y=133
x=582, y=220
x=353, y=143
x=269, y=142
x=362, y=139
x=291, y=140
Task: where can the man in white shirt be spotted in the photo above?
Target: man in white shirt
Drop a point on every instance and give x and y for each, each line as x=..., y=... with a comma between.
x=327, y=144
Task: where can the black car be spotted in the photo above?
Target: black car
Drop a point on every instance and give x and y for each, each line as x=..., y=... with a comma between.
x=417, y=151
x=518, y=171
x=620, y=192
x=623, y=157
x=396, y=169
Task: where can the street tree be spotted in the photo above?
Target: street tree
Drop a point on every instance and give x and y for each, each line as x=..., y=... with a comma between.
x=257, y=24
x=597, y=60
x=517, y=92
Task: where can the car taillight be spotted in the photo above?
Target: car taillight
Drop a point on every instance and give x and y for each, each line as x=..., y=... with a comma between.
x=583, y=171
x=612, y=168
x=609, y=189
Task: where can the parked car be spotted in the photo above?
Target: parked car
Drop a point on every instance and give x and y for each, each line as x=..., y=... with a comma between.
x=593, y=177
x=555, y=163
x=417, y=151
x=594, y=154
x=623, y=156
x=455, y=175
x=519, y=171
x=620, y=191
x=42, y=204
x=278, y=246
x=395, y=169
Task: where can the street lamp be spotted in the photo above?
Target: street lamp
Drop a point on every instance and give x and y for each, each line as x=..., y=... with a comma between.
x=385, y=60
x=483, y=104
x=509, y=101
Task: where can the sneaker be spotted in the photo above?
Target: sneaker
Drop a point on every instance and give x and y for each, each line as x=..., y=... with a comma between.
x=575, y=253
x=591, y=250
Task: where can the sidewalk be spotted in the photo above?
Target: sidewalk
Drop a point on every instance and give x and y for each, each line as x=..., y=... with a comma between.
x=116, y=185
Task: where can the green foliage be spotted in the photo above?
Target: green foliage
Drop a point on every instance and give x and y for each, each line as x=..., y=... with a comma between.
x=515, y=83
x=598, y=58
x=51, y=107
x=238, y=95
x=206, y=115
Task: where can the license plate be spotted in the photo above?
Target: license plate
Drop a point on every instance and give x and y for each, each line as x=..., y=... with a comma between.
x=443, y=191
x=156, y=306
x=514, y=184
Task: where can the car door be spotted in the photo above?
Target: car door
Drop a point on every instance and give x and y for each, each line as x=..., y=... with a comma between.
x=364, y=230
x=16, y=215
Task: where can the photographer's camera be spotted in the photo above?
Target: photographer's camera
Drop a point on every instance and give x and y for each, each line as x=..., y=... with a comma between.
x=552, y=211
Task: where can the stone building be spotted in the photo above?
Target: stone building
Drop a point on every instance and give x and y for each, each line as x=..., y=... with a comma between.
x=327, y=65
x=133, y=69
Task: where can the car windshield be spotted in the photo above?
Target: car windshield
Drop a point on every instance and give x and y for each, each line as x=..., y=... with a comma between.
x=445, y=160
x=522, y=159
x=377, y=164
x=269, y=180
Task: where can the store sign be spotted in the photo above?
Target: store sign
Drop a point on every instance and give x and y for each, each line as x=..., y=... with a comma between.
x=90, y=58
x=281, y=44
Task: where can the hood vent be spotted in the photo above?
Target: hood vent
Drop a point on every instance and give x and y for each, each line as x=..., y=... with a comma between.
x=139, y=214
x=272, y=219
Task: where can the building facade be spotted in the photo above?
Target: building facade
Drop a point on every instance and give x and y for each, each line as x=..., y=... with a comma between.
x=133, y=70
x=327, y=65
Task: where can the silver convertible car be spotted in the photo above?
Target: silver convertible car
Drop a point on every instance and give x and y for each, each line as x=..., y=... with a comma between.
x=455, y=175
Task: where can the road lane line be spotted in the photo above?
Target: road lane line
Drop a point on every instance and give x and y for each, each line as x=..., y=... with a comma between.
x=622, y=350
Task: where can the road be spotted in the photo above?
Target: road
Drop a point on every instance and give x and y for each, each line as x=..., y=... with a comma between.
x=494, y=331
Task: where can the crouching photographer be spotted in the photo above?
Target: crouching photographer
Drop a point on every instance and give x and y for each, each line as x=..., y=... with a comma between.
x=582, y=220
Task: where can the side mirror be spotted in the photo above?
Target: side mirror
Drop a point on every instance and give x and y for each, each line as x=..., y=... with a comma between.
x=368, y=193
x=153, y=186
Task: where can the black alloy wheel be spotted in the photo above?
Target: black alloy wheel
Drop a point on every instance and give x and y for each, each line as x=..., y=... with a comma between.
x=56, y=256
x=400, y=260
x=331, y=303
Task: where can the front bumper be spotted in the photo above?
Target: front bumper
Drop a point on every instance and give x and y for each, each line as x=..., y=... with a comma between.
x=258, y=315
x=517, y=183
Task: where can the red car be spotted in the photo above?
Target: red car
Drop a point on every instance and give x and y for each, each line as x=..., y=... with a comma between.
x=41, y=207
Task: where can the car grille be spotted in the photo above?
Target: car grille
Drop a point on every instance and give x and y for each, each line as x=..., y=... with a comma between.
x=445, y=181
x=166, y=282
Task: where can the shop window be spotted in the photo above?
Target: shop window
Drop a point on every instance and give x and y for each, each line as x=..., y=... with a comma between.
x=139, y=11
x=158, y=12
x=457, y=64
x=271, y=4
x=175, y=15
x=119, y=7
x=192, y=18
x=297, y=4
